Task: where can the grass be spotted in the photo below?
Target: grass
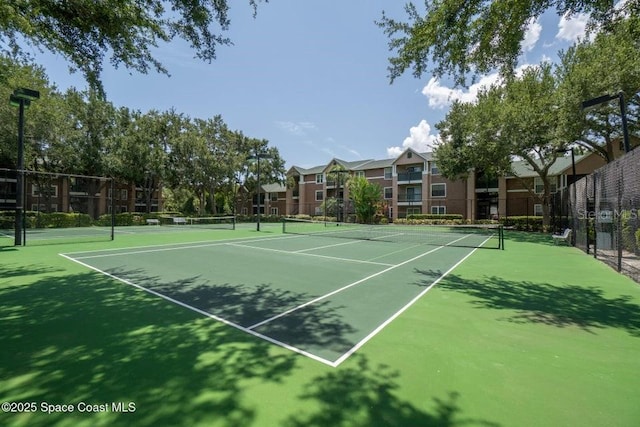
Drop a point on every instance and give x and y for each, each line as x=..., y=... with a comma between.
x=533, y=335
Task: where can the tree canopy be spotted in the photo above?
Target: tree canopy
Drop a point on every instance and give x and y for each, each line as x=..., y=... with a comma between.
x=80, y=132
x=458, y=38
x=84, y=32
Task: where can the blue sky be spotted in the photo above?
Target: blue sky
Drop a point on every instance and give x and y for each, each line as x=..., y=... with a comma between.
x=311, y=78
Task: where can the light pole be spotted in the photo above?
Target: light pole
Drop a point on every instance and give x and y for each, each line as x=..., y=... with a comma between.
x=21, y=98
x=606, y=98
x=257, y=156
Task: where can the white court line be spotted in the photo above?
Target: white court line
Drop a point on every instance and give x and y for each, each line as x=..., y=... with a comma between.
x=357, y=282
x=164, y=249
x=250, y=330
x=399, y=312
x=358, y=261
x=204, y=313
x=328, y=246
x=236, y=239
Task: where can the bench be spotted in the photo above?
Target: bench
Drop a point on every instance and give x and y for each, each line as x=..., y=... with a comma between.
x=179, y=220
x=564, y=237
x=153, y=221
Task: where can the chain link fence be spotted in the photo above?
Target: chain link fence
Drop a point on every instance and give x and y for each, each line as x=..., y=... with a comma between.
x=602, y=210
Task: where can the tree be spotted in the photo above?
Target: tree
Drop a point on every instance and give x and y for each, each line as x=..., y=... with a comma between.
x=366, y=197
x=516, y=120
x=84, y=32
x=43, y=118
x=339, y=176
x=476, y=37
x=608, y=64
x=140, y=152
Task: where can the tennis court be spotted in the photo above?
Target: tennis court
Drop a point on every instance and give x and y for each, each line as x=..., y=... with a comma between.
x=312, y=293
x=61, y=235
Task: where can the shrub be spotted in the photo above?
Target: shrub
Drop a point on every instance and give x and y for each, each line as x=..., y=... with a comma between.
x=438, y=217
x=523, y=223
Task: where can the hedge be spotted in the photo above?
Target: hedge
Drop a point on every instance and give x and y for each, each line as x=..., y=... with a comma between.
x=523, y=223
x=451, y=217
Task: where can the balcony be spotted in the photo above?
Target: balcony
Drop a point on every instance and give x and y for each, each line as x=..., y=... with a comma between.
x=410, y=200
x=409, y=177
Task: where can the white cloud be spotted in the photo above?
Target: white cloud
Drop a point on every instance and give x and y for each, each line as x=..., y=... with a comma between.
x=420, y=139
x=442, y=96
x=572, y=28
x=532, y=35
x=297, y=128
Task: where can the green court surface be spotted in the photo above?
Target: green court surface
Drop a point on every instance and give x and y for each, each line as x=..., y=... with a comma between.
x=246, y=328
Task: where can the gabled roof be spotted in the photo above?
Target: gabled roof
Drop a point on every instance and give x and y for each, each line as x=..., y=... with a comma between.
x=562, y=165
x=425, y=156
x=375, y=164
x=346, y=165
x=304, y=171
x=274, y=188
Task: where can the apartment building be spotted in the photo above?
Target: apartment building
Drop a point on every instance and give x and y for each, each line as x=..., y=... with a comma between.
x=63, y=193
x=412, y=184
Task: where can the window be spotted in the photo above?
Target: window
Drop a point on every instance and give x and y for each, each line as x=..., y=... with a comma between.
x=319, y=178
x=438, y=210
x=274, y=211
x=537, y=209
x=409, y=155
x=124, y=194
x=434, y=169
x=539, y=184
x=388, y=192
x=387, y=173
x=273, y=197
x=49, y=190
x=319, y=195
x=360, y=174
x=245, y=211
x=438, y=190
x=414, y=211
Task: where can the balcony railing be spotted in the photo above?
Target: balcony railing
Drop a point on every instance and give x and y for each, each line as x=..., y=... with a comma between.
x=410, y=198
x=410, y=176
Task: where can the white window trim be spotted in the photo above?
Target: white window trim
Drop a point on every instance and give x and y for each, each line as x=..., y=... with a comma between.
x=319, y=178
x=438, y=184
x=35, y=189
x=384, y=193
x=390, y=173
x=538, y=208
x=438, y=209
x=321, y=193
x=433, y=166
x=274, y=211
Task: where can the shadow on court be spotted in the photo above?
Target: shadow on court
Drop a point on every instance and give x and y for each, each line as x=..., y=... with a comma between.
x=363, y=395
x=85, y=338
x=320, y=325
x=16, y=270
x=569, y=305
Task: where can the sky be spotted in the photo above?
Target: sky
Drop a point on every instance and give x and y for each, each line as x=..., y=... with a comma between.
x=311, y=78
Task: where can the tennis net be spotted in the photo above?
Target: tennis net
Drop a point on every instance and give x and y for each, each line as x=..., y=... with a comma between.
x=472, y=236
x=213, y=222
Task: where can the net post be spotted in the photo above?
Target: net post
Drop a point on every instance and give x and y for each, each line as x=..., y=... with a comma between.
x=501, y=236
x=233, y=222
x=284, y=220
x=113, y=210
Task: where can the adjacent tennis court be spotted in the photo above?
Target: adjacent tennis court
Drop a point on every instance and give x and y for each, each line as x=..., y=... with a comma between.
x=311, y=293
